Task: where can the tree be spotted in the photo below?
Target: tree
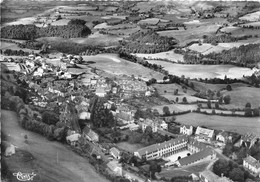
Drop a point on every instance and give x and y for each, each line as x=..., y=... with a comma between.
x=184, y=99
x=248, y=110
x=156, y=112
x=26, y=138
x=177, y=99
x=218, y=94
x=176, y=92
x=220, y=100
x=216, y=105
x=256, y=112
x=209, y=104
x=227, y=99
x=166, y=110
x=248, y=105
x=229, y=88
x=50, y=118
x=220, y=167
x=237, y=174
x=228, y=149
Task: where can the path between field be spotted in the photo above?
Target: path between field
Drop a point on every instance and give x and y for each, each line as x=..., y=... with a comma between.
x=70, y=166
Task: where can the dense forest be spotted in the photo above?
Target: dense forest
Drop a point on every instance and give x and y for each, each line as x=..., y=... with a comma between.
x=147, y=42
x=74, y=29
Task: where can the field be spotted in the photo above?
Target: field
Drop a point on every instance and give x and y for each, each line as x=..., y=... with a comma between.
x=176, y=107
x=95, y=39
x=115, y=65
x=204, y=71
x=60, y=22
x=53, y=161
x=240, y=125
x=254, y=24
x=152, y=21
x=169, y=55
x=242, y=95
x=186, y=36
x=169, y=94
x=216, y=87
x=102, y=26
x=208, y=48
x=251, y=16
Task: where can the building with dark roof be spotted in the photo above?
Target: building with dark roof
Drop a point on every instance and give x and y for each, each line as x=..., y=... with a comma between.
x=197, y=157
x=248, y=139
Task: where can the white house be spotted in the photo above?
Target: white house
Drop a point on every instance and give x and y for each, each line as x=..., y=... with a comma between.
x=100, y=92
x=115, y=153
x=73, y=139
x=186, y=130
x=251, y=164
x=84, y=115
x=115, y=167
x=204, y=135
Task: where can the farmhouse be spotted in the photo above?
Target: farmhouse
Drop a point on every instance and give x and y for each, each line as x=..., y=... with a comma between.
x=204, y=135
x=252, y=165
x=164, y=149
x=90, y=135
x=248, y=139
x=186, y=130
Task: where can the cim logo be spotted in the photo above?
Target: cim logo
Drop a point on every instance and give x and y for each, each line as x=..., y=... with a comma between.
x=24, y=176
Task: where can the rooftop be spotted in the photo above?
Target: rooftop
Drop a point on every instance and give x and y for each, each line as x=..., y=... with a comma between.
x=204, y=131
x=195, y=157
x=159, y=146
x=252, y=161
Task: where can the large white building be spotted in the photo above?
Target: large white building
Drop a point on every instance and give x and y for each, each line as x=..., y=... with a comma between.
x=164, y=149
x=253, y=165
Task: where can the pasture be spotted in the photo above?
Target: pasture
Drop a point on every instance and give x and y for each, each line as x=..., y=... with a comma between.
x=167, y=91
x=242, y=95
x=209, y=48
x=169, y=55
x=251, y=16
x=112, y=64
x=204, y=71
x=240, y=125
x=95, y=39
x=152, y=21
x=175, y=108
x=191, y=34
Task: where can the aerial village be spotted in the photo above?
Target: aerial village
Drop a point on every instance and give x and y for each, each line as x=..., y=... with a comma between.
x=97, y=97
